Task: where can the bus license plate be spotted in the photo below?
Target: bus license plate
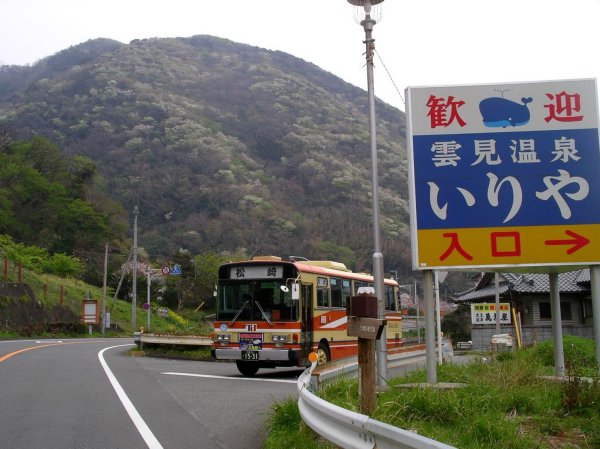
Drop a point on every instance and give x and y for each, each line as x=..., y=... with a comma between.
x=249, y=355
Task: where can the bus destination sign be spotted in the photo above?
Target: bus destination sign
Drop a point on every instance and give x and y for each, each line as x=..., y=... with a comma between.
x=256, y=272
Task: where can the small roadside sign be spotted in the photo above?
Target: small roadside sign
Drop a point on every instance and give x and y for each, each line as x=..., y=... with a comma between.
x=367, y=328
x=90, y=311
x=176, y=270
x=165, y=270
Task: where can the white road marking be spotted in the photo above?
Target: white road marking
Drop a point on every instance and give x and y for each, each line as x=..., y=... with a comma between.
x=138, y=421
x=255, y=379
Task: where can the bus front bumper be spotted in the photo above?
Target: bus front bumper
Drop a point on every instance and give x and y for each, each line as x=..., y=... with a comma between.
x=266, y=355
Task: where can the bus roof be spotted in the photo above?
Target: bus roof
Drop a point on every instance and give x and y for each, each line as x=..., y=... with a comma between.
x=324, y=267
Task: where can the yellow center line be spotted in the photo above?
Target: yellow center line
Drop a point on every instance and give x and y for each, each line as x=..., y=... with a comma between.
x=10, y=354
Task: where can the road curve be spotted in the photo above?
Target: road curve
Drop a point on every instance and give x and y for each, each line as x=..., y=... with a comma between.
x=91, y=394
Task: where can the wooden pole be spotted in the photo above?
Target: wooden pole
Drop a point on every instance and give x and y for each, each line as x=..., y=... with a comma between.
x=366, y=374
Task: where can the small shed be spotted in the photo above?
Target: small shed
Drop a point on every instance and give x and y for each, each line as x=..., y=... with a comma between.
x=529, y=296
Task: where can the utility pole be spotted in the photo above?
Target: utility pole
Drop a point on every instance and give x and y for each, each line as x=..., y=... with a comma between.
x=103, y=321
x=381, y=344
x=134, y=274
x=149, y=280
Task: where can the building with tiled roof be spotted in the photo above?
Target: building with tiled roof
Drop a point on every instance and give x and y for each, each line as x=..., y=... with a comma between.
x=529, y=296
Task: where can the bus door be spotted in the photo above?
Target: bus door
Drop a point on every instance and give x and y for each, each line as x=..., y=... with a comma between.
x=307, y=325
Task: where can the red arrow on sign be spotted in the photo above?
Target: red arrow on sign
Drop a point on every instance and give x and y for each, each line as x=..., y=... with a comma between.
x=578, y=241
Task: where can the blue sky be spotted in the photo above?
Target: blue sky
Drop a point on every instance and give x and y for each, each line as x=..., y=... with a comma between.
x=419, y=42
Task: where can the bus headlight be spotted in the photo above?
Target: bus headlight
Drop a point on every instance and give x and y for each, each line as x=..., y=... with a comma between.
x=223, y=337
x=279, y=338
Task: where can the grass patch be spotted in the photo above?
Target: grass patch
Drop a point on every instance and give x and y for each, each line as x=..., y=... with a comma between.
x=506, y=403
x=179, y=352
x=55, y=291
x=288, y=431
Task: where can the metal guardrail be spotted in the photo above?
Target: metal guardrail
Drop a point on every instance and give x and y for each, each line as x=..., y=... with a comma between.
x=345, y=428
x=349, y=366
x=351, y=430
x=186, y=340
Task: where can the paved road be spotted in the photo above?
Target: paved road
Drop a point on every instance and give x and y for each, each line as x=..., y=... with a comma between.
x=91, y=394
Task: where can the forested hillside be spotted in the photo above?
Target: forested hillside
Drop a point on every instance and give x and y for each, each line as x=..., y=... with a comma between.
x=53, y=200
x=223, y=146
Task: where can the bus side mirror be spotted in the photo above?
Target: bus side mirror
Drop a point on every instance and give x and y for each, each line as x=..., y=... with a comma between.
x=296, y=291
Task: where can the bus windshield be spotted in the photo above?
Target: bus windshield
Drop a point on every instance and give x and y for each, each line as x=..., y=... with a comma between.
x=255, y=300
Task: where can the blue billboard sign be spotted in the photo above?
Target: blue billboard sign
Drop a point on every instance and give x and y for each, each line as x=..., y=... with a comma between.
x=500, y=173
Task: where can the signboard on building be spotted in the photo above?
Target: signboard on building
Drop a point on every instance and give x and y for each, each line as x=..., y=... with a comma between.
x=504, y=175
x=485, y=313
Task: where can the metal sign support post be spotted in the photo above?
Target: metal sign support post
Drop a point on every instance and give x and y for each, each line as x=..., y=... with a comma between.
x=429, y=326
x=438, y=318
x=559, y=357
x=418, y=314
x=595, y=281
x=497, y=289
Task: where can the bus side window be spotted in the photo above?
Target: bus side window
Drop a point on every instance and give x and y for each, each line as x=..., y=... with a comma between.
x=336, y=293
x=322, y=292
x=357, y=285
x=346, y=292
x=390, y=302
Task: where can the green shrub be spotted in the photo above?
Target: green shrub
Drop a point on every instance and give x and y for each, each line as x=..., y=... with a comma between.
x=579, y=354
x=62, y=265
x=39, y=260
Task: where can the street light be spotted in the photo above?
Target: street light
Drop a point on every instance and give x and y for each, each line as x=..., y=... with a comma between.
x=368, y=23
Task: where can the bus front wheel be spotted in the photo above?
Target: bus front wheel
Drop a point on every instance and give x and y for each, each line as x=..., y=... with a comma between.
x=248, y=369
x=323, y=354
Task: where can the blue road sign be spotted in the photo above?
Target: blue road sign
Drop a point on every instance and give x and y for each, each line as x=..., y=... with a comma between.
x=504, y=174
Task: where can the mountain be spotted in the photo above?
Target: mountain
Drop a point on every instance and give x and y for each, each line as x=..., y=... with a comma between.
x=223, y=145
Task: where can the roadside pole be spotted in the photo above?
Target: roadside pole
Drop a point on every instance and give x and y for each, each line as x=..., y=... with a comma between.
x=134, y=273
x=429, y=326
x=362, y=312
x=595, y=281
x=366, y=369
x=438, y=319
x=103, y=308
x=559, y=357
